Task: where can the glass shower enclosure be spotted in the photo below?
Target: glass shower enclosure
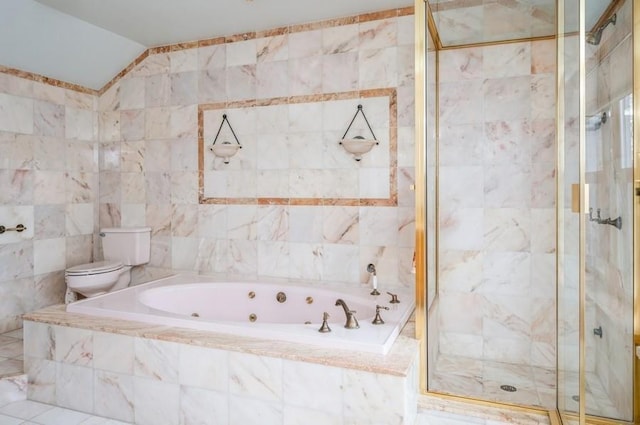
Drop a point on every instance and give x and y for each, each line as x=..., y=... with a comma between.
x=529, y=198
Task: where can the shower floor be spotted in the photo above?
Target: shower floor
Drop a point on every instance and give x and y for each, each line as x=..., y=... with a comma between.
x=11, y=353
x=598, y=403
x=534, y=386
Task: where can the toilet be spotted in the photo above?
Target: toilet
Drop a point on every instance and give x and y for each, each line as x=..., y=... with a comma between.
x=123, y=248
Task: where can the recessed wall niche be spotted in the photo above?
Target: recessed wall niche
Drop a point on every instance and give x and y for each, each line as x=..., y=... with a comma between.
x=291, y=153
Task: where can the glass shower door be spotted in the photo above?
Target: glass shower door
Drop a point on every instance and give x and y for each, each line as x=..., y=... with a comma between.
x=568, y=238
x=596, y=212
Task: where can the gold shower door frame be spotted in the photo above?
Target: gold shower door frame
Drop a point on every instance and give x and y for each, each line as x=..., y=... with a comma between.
x=636, y=208
x=424, y=23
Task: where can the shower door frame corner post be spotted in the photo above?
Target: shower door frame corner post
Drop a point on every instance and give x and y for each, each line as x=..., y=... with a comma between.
x=420, y=13
x=636, y=209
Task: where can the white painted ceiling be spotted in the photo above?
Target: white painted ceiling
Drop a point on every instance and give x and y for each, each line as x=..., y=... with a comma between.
x=87, y=42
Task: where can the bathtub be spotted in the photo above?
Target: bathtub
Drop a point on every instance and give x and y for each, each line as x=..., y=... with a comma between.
x=286, y=312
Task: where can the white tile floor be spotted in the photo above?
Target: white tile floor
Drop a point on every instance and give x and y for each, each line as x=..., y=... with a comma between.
x=29, y=412
x=33, y=413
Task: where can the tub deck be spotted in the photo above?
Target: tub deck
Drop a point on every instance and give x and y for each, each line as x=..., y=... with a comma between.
x=396, y=362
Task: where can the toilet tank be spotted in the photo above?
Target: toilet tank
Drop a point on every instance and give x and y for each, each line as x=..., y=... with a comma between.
x=130, y=245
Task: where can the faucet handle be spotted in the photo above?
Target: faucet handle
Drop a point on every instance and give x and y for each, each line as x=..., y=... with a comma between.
x=394, y=298
x=324, y=328
x=378, y=319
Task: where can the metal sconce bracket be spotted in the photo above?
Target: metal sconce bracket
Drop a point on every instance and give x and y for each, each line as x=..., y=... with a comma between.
x=360, y=111
x=225, y=150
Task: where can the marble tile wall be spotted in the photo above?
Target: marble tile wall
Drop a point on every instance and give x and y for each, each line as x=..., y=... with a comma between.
x=497, y=203
x=154, y=382
x=291, y=154
x=609, y=257
x=149, y=156
x=49, y=181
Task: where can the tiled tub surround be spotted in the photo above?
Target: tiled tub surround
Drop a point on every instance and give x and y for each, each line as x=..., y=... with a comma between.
x=497, y=214
x=160, y=375
x=149, y=171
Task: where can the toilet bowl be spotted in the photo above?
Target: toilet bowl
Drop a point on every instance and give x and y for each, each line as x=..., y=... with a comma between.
x=123, y=248
x=98, y=278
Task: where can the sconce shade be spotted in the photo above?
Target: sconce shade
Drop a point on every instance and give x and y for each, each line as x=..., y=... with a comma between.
x=226, y=149
x=358, y=146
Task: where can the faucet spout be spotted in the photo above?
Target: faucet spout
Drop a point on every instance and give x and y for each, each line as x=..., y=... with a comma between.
x=352, y=322
x=340, y=302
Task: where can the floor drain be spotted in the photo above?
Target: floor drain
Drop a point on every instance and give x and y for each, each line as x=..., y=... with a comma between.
x=508, y=388
x=575, y=398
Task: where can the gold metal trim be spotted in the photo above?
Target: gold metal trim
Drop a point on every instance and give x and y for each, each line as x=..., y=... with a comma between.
x=431, y=25
x=582, y=229
x=489, y=403
x=636, y=207
x=420, y=185
x=498, y=43
x=560, y=143
x=596, y=420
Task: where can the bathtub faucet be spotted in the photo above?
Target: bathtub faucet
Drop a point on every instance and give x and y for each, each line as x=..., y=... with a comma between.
x=352, y=322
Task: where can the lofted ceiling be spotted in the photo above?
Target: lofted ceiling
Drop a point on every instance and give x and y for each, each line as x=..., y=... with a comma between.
x=87, y=42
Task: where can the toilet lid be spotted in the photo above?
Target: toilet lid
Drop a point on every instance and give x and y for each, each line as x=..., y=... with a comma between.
x=94, y=268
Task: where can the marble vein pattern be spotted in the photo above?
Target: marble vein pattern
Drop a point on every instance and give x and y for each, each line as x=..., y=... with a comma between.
x=227, y=372
x=497, y=214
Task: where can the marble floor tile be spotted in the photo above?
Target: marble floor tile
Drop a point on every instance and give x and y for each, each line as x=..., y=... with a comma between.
x=485, y=378
x=11, y=353
x=14, y=334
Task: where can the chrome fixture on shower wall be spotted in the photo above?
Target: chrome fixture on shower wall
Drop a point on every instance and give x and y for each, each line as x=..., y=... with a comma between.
x=615, y=222
x=225, y=149
x=594, y=37
x=594, y=122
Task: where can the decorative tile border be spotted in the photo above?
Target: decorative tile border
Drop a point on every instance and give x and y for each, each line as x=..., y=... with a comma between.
x=361, y=94
x=46, y=80
x=367, y=17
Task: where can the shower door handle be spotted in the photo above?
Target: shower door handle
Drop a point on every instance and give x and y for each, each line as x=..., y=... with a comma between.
x=575, y=198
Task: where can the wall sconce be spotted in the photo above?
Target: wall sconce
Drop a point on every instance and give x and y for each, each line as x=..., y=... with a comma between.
x=358, y=145
x=225, y=149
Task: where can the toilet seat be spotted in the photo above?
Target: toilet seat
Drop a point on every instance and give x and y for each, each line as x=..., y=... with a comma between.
x=99, y=267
